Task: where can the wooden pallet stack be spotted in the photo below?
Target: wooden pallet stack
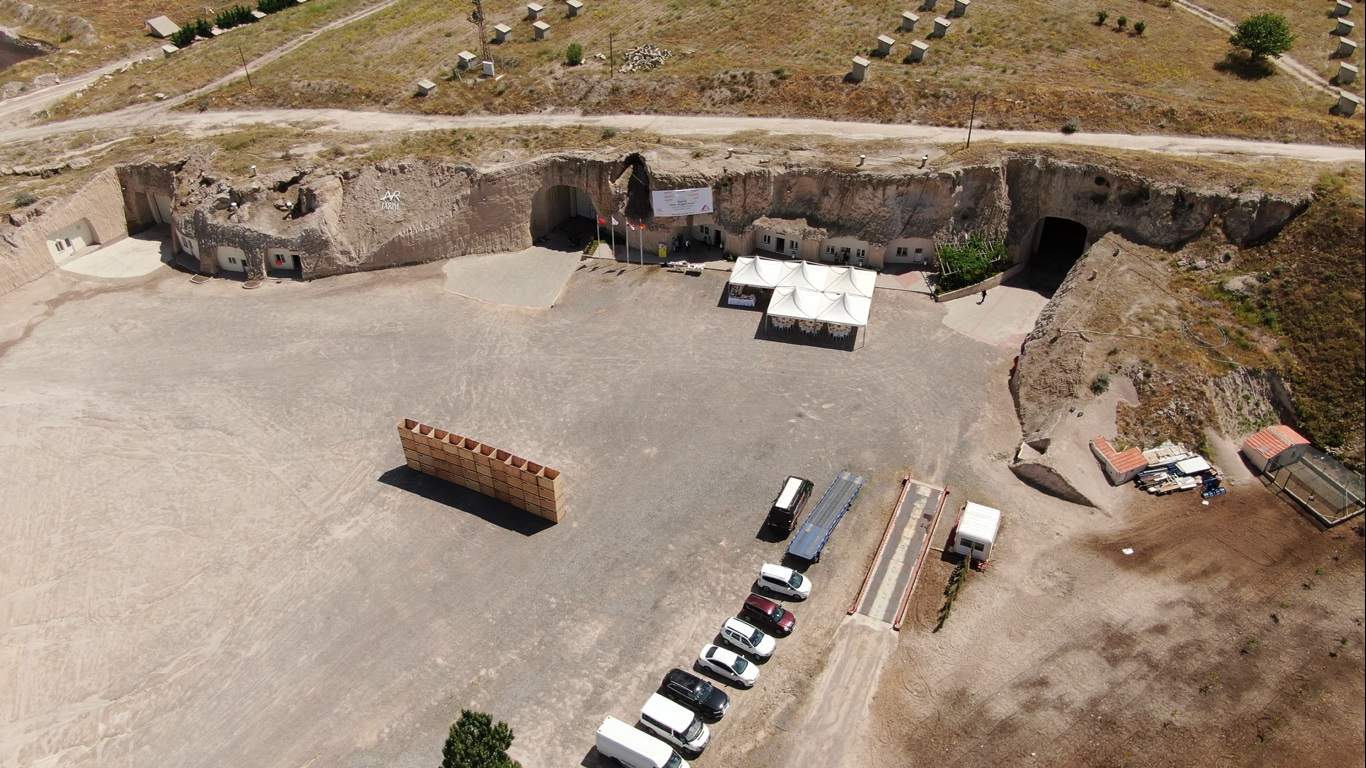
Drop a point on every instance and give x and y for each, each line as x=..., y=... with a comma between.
x=524, y=484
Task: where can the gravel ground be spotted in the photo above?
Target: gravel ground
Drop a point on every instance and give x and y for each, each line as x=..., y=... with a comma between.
x=205, y=530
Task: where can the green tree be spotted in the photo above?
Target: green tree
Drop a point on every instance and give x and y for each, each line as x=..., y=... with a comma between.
x=573, y=55
x=475, y=741
x=1263, y=35
x=1122, y=22
x=1139, y=27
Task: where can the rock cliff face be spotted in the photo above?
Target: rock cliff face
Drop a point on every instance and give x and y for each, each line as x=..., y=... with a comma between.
x=412, y=211
x=25, y=253
x=1150, y=213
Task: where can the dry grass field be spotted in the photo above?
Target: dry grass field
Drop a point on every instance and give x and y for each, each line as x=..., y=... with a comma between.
x=205, y=61
x=1036, y=64
x=119, y=32
x=1312, y=25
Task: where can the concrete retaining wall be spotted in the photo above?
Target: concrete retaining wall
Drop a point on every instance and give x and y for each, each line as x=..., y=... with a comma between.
x=975, y=288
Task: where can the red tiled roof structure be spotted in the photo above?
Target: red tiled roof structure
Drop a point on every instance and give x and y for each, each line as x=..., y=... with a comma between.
x=1120, y=466
x=1270, y=442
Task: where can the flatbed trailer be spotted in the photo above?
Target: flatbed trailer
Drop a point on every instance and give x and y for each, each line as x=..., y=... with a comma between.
x=820, y=523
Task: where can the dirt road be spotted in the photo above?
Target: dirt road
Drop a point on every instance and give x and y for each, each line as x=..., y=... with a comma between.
x=159, y=117
x=832, y=725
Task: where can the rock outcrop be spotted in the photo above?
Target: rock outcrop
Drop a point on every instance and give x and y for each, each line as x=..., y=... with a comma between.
x=410, y=211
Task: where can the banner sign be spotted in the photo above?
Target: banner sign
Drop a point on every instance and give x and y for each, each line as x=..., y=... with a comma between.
x=682, y=202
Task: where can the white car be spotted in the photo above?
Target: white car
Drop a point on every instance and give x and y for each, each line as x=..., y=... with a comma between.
x=746, y=637
x=784, y=581
x=729, y=664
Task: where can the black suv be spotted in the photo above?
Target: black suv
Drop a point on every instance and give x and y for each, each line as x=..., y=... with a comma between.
x=695, y=693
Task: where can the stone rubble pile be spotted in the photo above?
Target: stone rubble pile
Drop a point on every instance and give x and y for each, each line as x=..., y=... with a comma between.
x=644, y=58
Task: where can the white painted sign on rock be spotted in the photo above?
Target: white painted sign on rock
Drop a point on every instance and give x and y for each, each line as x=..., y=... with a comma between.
x=682, y=202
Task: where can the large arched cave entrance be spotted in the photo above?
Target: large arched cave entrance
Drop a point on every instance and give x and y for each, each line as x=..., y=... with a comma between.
x=562, y=217
x=1058, y=245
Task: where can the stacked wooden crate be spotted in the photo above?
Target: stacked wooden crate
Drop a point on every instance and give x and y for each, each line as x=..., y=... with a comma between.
x=524, y=484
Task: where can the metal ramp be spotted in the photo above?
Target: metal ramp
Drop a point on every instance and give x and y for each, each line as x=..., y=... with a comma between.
x=820, y=523
x=894, y=570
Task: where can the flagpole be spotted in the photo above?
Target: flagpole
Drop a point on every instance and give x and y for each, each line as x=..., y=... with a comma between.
x=613, y=230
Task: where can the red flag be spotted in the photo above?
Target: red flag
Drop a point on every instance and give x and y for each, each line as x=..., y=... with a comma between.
x=602, y=221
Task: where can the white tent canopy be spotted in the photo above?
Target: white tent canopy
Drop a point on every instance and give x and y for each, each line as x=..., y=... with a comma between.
x=858, y=282
x=848, y=310
x=759, y=272
x=819, y=306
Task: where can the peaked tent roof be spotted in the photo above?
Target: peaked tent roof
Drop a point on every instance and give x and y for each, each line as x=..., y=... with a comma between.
x=808, y=276
x=859, y=282
x=799, y=303
x=758, y=272
x=848, y=309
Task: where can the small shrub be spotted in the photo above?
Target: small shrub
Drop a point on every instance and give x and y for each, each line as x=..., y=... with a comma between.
x=24, y=199
x=1101, y=16
x=183, y=37
x=609, y=132
x=234, y=16
x=573, y=55
x=1071, y=126
x=203, y=28
x=971, y=261
x=273, y=6
x=1140, y=27
x=1122, y=22
x=1100, y=384
x=476, y=741
x=781, y=74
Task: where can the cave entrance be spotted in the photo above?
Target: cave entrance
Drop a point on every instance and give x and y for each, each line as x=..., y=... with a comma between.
x=562, y=217
x=1059, y=244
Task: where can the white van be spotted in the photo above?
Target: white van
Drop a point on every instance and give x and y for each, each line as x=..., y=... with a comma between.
x=627, y=746
x=675, y=724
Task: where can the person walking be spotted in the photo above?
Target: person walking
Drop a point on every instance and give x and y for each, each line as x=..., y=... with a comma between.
x=983, y=298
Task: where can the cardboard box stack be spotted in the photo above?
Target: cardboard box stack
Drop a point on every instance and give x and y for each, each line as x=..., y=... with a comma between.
x=491, y=471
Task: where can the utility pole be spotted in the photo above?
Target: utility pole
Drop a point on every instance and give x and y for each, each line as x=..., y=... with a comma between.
x=611, y=56
x=972, y=119
x=477, y=19
x=243, y=56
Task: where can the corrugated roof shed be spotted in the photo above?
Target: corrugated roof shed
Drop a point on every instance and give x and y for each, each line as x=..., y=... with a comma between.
x=1270, y=442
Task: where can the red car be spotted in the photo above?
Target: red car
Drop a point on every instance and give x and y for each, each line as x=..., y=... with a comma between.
x=768, y=615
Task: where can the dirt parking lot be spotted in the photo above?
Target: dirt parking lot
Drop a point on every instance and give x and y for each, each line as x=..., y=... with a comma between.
x=211, y=552
x=206, y=531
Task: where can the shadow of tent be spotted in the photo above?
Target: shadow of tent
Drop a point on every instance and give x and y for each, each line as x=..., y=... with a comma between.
x=454, y=496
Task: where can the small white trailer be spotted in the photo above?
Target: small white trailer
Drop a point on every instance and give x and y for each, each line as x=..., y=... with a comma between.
x=976, y=531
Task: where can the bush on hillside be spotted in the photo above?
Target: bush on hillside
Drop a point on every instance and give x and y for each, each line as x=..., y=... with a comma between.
x=1264, y=35
x=235, y=16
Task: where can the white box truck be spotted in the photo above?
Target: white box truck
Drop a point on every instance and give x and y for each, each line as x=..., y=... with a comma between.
x=635, y=749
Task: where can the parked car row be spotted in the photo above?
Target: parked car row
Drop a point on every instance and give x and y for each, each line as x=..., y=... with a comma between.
x=674, y=718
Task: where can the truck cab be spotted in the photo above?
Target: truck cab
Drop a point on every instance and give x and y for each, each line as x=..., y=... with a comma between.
x=787, y=507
